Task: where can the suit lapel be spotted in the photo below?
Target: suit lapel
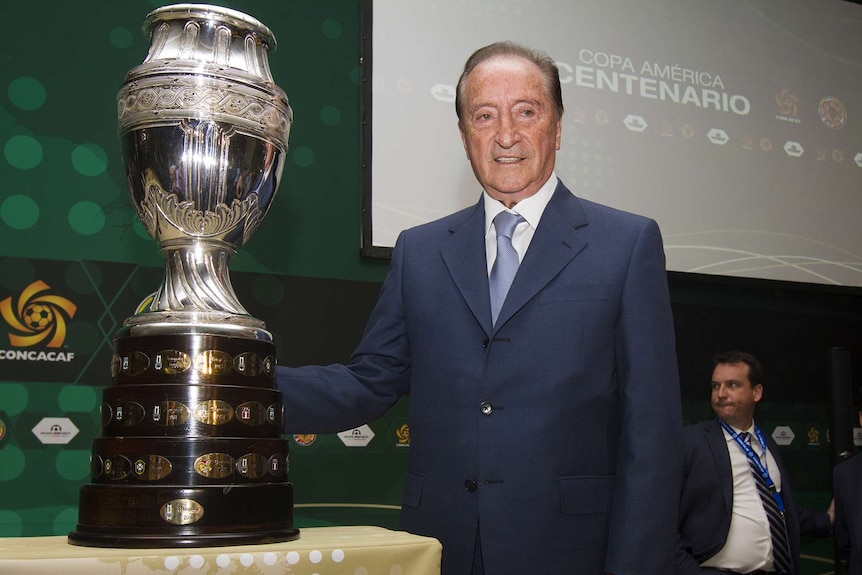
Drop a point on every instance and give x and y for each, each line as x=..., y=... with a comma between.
x=714, y=436
x=464, y=255
x=556, y=242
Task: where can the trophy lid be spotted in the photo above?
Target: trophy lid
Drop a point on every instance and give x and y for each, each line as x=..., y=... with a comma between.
x=229, y=16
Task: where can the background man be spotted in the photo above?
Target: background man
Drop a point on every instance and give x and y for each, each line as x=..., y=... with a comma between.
x=545, y=423
x=847, y=480
x=724, y=521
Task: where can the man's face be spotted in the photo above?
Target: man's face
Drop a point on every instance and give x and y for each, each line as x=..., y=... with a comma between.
x=510, y=128
x=733, y=397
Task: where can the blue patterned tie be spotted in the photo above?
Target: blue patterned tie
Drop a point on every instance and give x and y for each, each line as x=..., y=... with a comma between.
x=506, y=264
x=777, y=528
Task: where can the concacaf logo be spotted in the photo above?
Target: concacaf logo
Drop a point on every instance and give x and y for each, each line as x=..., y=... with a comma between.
x=403, y=435
x=37, y=316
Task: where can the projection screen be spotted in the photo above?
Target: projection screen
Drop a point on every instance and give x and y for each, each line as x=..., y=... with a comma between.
x=736, y=124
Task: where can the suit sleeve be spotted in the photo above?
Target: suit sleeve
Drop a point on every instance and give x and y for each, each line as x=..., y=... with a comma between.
x=814, y=523
x=686, y=564
x=329, y=399
x=642, y=538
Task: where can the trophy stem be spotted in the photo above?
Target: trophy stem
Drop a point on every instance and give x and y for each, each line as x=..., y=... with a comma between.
x=197, y=279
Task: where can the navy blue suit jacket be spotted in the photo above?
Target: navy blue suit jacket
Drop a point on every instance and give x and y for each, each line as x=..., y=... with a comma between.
x=847, y=490
x=706, y=501
x=563, y=419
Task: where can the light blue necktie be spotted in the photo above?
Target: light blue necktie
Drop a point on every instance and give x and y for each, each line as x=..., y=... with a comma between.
x=506, y=264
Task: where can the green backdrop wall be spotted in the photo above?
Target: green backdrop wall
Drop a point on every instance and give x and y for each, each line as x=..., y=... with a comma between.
x=67, y=229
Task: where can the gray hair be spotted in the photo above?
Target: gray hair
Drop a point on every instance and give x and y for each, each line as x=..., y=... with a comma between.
x=546, y=65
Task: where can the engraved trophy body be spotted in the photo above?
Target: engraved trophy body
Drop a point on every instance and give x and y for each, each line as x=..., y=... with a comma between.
x=191, y=451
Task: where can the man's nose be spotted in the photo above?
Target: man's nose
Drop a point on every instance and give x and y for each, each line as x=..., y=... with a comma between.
x=507, y=134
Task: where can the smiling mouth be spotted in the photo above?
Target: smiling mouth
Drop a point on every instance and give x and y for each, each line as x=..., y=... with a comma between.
x=508, y=160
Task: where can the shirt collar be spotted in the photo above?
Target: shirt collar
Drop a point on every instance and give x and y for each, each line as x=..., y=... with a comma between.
x=750, y=430
x=531, y=209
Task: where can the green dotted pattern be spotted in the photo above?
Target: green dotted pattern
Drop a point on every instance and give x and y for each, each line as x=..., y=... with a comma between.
x=62, y=184
x=66, y=219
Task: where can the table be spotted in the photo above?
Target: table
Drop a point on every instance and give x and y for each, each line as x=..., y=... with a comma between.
x=355, y=550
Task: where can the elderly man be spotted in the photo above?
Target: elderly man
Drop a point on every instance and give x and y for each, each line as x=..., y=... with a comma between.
x=533, y=333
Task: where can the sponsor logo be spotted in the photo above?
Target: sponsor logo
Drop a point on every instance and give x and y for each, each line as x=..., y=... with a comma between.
x=37, y=316
x=2, y=429
x=55, y=430
x=635, y=123
x=793, y=149
x=579, y=115
x=357, y=437
x=603, y=118
x=443, y=92
x=783, y=435
x=667, y=129
x=718, y=136
x=788, y=106
x=304, y=439
x=813, y=436
x=687, y=131
x=402, y=436
x=832, y=113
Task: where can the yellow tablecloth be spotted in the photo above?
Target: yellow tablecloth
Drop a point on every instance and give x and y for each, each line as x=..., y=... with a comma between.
x=361, y=550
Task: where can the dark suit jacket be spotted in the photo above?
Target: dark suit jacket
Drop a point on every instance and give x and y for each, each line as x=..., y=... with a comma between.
x=847, y=490
x=706, y=500
x=558, y=430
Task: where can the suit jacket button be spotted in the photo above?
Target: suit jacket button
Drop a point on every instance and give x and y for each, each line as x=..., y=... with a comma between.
x=470, y=485
x=486, y=408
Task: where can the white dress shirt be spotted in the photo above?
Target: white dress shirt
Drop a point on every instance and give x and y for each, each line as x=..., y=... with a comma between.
x=749, y=545
x=531, y=209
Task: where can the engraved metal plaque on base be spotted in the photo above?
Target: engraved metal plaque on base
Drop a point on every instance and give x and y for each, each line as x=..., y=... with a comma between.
x=191, y=452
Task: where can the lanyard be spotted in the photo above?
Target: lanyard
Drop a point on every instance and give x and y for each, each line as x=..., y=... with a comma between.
x=761, y=468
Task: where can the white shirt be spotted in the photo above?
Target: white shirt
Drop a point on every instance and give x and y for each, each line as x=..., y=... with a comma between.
x=531, y=209
x=748, y=546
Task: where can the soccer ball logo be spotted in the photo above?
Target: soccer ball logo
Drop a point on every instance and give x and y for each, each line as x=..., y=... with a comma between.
x=38, y=316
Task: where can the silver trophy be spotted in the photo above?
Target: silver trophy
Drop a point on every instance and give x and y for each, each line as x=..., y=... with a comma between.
x=191, y=451
x=204, y=131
